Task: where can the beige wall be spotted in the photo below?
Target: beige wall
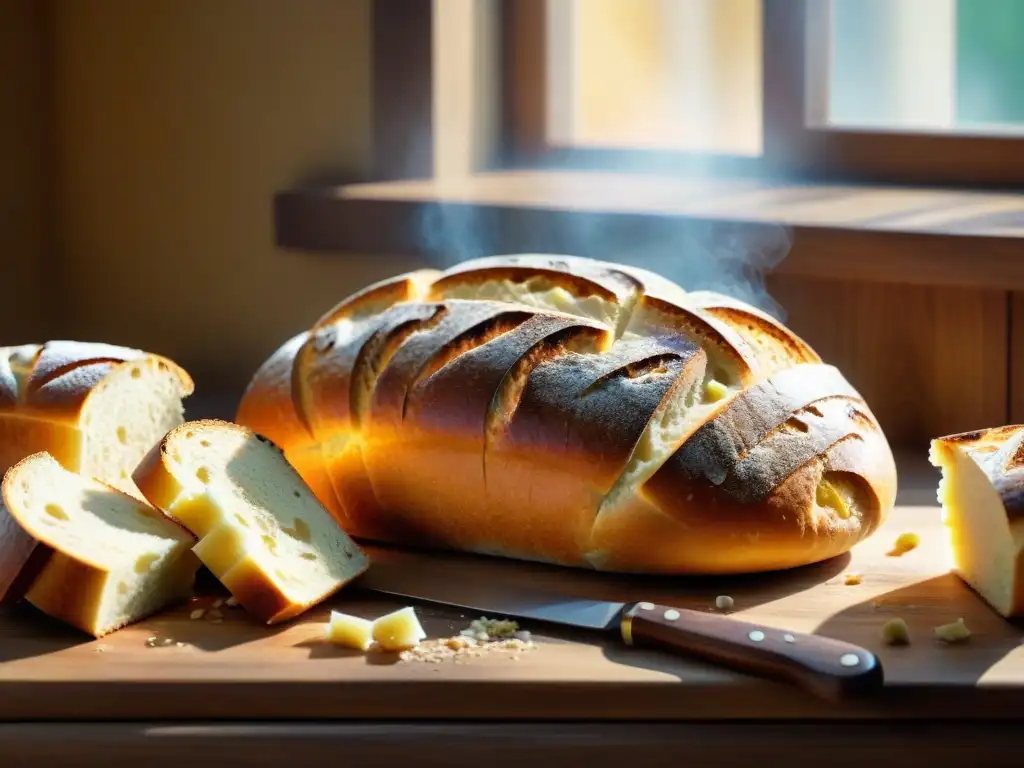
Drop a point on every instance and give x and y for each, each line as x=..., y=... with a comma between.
x=22, y=203
x=175, y=124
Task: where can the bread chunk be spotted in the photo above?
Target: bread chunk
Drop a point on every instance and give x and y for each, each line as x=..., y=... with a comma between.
x=982, y=497
x=261, y=530
x=85, y=553
x=96, y=408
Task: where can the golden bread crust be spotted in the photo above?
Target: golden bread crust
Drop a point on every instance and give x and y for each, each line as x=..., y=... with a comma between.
x=45, y=392
x=999, y=451
x=66, y=373
x=536, y=406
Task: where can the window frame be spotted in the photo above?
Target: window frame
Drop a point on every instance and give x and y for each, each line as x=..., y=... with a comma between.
x=793, y=149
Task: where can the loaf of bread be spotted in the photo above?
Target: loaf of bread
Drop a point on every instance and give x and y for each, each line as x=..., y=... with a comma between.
x=982, y=497
x=85, y=553
x=262, y=532
x=96, y=408
x=578, y=412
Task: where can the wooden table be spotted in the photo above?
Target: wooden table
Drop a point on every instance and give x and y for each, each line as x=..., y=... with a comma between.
x=236, y=691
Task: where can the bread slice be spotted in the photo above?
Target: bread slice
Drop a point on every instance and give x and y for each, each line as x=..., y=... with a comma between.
x=96, y=408
x=261, y=529
x=982, y=496
x=86, y=553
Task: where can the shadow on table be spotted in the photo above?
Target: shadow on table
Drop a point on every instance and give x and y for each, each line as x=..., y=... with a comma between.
x=925, y=606
x=26, y=632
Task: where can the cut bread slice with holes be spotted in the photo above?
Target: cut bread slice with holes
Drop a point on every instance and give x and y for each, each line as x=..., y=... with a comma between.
x=96, y=408
x=262, y=532
x=86, y=553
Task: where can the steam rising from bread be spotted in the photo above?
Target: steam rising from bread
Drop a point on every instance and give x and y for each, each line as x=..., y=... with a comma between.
x=698, y=255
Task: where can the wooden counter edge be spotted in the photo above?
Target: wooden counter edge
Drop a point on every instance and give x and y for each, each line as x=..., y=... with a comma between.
x=935, y=743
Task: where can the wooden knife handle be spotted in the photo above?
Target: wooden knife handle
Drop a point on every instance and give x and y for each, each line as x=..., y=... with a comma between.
x=826, y=667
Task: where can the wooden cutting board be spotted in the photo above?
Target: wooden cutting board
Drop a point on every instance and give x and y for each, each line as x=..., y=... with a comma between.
x=236, y=669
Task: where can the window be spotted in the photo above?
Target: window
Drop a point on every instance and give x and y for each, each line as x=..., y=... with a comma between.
x=904, y=91
x=655, y=74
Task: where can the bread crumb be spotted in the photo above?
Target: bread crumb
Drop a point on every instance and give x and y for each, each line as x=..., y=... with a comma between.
x=197, y=614
x=485, y=629
x=852, y=579
x=482, y=636
x=953, y=633
x=904, y=543
x=895, y=632
x=724, y=603
x=231, y=602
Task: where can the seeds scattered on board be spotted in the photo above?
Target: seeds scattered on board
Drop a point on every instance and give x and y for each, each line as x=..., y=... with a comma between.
x=483, y=635
x=462, y=648
x=213, y=614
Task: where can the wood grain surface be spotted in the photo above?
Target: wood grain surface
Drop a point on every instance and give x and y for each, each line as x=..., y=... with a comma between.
x=237, y=670
x=923, y=210
x=930, y=360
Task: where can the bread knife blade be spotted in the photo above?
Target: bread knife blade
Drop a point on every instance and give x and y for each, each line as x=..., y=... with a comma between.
x=823, y=666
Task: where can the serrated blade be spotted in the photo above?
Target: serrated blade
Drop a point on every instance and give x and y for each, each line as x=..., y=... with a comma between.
x=495, y=600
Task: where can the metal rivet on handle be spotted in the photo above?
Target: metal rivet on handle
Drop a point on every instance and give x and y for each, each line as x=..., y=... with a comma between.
x=757, y=635
x=789, y=638
x=646, y=606
x=671, y=614
x=849, y=659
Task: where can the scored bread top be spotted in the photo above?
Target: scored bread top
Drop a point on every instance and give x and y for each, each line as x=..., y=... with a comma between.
x=508, y=402
x=56, y=379
x=999, y=452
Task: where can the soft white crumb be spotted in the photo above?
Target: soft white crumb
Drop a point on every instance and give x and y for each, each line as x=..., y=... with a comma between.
x=953, y=633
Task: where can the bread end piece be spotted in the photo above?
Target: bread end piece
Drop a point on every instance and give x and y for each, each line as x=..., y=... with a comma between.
x=263, y=533
x=97, y=558
x=982, y=496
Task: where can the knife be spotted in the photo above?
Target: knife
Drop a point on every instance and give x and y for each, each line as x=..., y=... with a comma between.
x=829, y=668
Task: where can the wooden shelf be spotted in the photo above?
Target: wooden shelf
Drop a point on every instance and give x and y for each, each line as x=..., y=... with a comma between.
x=889, y=234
